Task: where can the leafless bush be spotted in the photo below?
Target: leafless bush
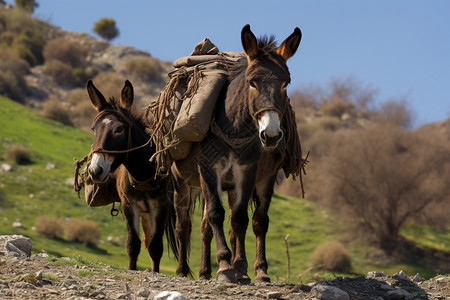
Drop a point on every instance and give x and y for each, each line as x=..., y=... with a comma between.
x=145, y=68
x=50, y=227
x=55, y=110
x=67, y=51
x=331, y=256
x=337, y=107
x=382, y=177
x=82, y=111
x=83, y=231
x=110, y=83
x=19, y=154
x=12, y=72
x=61, y=72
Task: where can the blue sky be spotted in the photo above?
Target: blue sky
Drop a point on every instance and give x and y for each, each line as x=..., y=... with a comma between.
x=401, y=48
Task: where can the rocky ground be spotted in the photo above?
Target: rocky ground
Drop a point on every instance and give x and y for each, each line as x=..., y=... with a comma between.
x=40, y=276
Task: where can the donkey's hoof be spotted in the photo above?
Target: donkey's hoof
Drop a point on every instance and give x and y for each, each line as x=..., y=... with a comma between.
x=262, y=279
x=226, y=276
x=243, y=279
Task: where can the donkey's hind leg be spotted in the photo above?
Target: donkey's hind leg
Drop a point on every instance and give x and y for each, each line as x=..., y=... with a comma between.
x=183, y=203
x=207, y=235
x=133, y=241
x=153, y=224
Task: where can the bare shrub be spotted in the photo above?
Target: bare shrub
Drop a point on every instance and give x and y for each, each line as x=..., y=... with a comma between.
x=61, y=72
x=145, y=68
x=331, y=256
x=82, y=110
x=55, y=110
x=397, y=112
x=290, y=187
x=109, y=83
x=66, y=50
x=337, y=107
x=383, y=177
x=50, y=227
x=19, y=154
x=83, y=231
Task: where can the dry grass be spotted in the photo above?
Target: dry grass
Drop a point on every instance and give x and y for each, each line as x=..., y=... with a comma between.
x=50, y=227
x=332, y=256
x=83, y=231
x=19, y=154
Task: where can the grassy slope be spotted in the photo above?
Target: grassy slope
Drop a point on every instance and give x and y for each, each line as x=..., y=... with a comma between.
x=33, y=190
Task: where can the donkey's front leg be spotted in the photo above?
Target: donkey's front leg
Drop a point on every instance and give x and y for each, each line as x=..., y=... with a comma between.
x=238, y=199
x=263, y=195
x=215, y=214
x=133, y=241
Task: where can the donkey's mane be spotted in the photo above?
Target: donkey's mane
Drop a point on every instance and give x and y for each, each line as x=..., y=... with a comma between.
x=138, y=115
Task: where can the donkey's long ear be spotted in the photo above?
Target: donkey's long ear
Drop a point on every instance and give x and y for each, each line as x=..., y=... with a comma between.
x=97, y=99
x=249, y=43
x=290, y=45
x=126, y=98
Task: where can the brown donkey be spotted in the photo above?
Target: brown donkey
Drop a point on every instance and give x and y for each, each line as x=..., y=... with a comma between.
x=121, y=150
x=242, y=153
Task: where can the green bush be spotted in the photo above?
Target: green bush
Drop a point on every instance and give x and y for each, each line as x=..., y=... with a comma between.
x=145, y=68
x=83, y=231
x=50, y=227
x=106, y=28
x=331, y=256
x=23, y=34
x=19, y=154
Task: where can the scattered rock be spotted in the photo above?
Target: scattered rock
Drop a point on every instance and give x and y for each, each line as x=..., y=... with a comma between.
x=401, y=275
x=326, y=292
x=18, y=225
x=418, y=278
x=15, y=246
x=6, y=167
x=375, y=274
x=274, y=295
x=169, y=296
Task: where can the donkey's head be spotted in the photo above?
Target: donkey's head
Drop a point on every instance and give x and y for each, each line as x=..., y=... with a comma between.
x=111, y=128
x=267, y=77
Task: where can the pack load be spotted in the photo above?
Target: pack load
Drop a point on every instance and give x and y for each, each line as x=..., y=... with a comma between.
x=184, y=108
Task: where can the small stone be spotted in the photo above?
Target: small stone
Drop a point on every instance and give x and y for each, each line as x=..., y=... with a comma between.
x=166, y=295
x=325, y=292
x=386, y=287
x=143, y=292
x=18, y=225
x=375, y=274
x=274, y=295
x=418, y=278
x=401, y=275
x=397, y=294
x=39, y=275
x=6, y=167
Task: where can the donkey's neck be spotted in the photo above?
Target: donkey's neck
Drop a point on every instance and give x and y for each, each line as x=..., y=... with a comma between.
x=137, y=162
x=233, y=113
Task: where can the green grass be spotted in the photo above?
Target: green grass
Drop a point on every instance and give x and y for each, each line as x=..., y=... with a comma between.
x=32, y=190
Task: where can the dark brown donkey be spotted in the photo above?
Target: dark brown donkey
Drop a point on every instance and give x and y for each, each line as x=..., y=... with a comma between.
x=121, y=148
x=241, y=154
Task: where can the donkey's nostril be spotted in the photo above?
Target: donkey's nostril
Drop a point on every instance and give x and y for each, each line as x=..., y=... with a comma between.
x=280, y=136
x=97, y=171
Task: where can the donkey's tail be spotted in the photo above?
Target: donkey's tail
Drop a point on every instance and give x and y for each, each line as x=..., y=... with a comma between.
x=171, y=222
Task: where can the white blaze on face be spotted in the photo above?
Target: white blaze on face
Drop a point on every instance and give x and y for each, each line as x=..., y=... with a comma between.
x=100, y=161
x=269, y=123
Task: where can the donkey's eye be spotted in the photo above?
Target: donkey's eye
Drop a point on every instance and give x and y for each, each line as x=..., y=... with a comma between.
x=118, y=130
x=252, y=84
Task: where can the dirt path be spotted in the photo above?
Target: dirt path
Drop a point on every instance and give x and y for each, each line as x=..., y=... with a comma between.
x=43, y=277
